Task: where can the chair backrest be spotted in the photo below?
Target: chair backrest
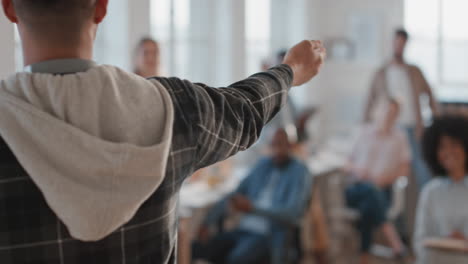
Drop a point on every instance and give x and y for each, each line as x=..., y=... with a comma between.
x=398, y=198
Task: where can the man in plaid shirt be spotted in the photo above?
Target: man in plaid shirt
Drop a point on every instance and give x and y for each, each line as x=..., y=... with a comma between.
x=75, y=183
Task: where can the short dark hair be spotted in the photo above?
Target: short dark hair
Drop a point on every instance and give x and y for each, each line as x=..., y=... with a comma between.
x=401, y=32
x=144, y=40
x=453, y=126
x=43, y=16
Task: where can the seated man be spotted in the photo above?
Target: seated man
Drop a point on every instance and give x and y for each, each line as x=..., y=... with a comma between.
x=380, y=157
x=273, y=198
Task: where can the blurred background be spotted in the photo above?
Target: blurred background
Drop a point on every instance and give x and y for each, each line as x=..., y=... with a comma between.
x=221, y=41
x=218, y=42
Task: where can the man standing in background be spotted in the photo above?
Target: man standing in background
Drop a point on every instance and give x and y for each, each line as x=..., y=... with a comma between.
x=406, y=83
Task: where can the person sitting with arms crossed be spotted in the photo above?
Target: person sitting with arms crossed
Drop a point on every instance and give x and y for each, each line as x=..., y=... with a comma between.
x=272, y=197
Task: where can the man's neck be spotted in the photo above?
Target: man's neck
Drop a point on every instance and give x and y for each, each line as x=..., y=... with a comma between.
x=398, y=60
x=37, y=54
x=38, y=50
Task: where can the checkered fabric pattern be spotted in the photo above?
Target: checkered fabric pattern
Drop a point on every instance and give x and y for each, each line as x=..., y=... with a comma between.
x=210, y=125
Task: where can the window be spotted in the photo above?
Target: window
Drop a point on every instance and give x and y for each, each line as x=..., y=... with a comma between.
x=170, y=24
x=257, y=33
x=191, y=35
x=439, y=44
x=111, y=45
x=221, y=41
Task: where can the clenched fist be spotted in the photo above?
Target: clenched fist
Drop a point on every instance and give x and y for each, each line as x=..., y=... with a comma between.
x=305, y=59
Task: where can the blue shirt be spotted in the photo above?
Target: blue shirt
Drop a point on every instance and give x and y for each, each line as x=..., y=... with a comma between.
x=256, y=223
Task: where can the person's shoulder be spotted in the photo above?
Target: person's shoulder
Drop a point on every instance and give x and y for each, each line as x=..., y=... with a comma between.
x=264, y=161
x=299, y=164
x=381, y=70
x=170, y=83
x=181, y=91
x=414, y=68
x=433, y=187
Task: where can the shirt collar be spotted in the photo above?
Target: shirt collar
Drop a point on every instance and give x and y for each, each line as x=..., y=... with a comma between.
x=61, y=66
x=464, y=182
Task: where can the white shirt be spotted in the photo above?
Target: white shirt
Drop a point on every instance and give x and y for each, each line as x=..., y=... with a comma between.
x=380, y=154
x=442, y=210
x=399, y=87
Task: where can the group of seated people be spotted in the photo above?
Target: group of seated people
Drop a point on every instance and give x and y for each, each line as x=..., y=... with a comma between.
x=274, y=196
x=382, y=155
x=93, y=158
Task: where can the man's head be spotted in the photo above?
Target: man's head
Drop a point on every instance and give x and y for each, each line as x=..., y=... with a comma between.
x=57, y=23
x=399, y=43
x=280, y=147
x=147, y=57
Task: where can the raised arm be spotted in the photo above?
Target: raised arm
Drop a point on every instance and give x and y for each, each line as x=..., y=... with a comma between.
x=224, y=121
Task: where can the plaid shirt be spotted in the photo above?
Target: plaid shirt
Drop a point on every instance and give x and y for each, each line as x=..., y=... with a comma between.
x=210, y=125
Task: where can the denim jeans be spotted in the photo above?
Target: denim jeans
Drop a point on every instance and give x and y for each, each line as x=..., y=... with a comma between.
x=235, y=247
x=372, y=205
x=418, y=164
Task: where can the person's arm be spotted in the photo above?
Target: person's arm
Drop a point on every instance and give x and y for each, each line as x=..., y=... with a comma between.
x=388, y=179
x=216, y=213
x=371, y=99
x=224, y=121
x=425, y=226
x=403, y=168
x=428, y=91
x=350, y=167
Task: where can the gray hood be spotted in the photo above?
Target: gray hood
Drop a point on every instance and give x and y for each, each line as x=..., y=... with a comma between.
x=95, y=143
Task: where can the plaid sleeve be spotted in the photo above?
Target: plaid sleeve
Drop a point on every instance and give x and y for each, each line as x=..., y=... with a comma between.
x=227, y=120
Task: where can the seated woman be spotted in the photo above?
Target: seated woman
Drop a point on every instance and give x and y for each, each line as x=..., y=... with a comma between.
x=380, y=157
x=443, y=205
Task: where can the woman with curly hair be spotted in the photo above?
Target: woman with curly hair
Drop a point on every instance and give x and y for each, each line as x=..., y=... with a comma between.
x=443, y=205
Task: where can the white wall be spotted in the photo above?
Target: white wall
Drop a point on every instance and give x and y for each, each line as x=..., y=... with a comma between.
x=7, y=47
x=112, y=45
x=341, y=89
x=139, y=23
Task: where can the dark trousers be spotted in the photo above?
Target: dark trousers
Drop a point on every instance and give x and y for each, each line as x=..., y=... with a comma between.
x=371, y=204
x=236, y=247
